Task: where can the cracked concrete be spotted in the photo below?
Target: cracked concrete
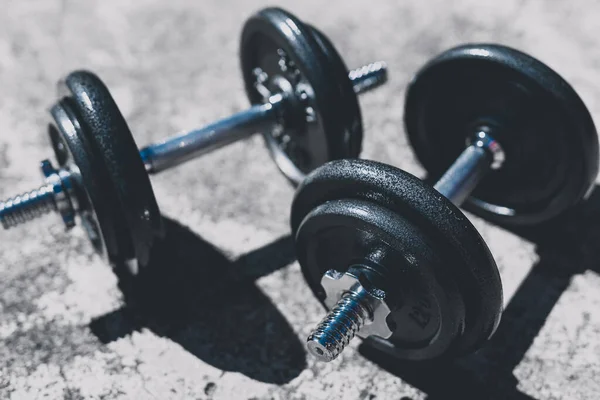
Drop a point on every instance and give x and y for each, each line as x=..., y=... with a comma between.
x=67, y=328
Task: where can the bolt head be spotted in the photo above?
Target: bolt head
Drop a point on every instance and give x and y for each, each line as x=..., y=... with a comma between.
x=322, y=350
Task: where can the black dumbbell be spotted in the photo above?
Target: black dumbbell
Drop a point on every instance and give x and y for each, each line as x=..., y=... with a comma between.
x=392, y=258
x=304, y=102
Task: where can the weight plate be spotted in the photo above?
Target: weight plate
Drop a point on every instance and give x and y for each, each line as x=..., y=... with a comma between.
x=279, y=54
x=429, y=309
x=434, y=249
x=96, y=201
x=545, y=130
x=109, y=135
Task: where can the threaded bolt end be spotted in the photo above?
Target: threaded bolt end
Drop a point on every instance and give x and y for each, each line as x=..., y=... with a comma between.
x=368, y=77
x=337, y=329
x=27, y=206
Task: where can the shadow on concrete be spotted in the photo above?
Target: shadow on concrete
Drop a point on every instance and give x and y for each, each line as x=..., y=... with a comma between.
x=566, y=246
x=194, y=295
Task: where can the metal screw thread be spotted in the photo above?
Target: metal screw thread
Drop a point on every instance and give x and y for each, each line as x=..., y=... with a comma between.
x=368, y=77
x=27, y=206
x=337, y=329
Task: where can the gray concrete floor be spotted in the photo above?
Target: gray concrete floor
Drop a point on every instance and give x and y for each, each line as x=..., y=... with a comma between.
x=173, y=65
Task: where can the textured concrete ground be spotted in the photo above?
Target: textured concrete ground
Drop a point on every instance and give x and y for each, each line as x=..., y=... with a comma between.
x=173, y=65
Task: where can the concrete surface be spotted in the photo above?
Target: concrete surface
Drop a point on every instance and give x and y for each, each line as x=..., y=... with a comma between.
x=173, y=65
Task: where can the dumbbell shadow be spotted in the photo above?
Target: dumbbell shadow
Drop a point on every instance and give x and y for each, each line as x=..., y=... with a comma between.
x=566, y=246
x=194, y=295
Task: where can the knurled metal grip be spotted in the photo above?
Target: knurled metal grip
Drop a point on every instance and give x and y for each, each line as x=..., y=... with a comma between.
x=260, y=118
x=482, y=154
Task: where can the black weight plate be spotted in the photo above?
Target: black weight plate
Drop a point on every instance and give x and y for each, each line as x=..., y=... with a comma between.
x=110, y=136
x=545, y=130
x=349, y=109
x=97, y=201
x=280, y=45
x=417, y=206
x=428, y=307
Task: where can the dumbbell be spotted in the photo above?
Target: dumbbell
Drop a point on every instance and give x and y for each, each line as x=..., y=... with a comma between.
x=392, y=258
x=304, y=101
